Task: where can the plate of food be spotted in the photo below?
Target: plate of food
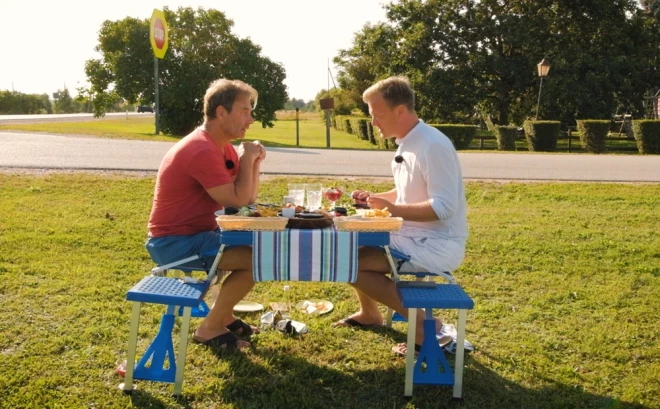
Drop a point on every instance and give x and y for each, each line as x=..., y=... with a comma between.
x=319, y=307
x=248, y=306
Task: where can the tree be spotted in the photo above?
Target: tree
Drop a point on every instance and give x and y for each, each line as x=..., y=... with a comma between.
x=370, y=58
x=467, y=54
x=201, y=50
x=64, y=102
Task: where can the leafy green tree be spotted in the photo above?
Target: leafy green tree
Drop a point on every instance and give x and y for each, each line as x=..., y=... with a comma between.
x=64, y=103
x=201, y=49
x=370, y=58
x=16, y=103
x=466, y=56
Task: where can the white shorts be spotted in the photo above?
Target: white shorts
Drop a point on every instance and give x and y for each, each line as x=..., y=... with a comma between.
x=429, y=254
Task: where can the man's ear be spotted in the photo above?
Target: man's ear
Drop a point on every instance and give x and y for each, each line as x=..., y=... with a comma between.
x=220, y=112
x=400, y=110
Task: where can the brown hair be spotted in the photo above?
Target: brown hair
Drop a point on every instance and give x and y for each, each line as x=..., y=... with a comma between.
x=223, y=92
x=394, y=90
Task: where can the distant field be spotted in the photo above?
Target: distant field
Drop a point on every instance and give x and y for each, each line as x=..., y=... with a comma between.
x=311, y=132
x=290, y=115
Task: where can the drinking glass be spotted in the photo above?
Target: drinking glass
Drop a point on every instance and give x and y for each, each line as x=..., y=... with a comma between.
x=297, y=190
x=314, y=195
x=333, y=194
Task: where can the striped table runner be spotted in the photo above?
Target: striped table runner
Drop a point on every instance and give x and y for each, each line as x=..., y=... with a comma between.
x=305, y=255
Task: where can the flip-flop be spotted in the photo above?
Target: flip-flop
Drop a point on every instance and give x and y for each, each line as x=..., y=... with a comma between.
x=352, y=322
x=227, y=341
x=241, y=328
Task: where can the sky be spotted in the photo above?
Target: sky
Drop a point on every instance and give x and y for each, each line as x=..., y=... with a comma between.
x=44, y=43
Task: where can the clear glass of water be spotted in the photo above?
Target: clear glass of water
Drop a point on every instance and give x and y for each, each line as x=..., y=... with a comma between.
x=314, y=195
x=297, y=190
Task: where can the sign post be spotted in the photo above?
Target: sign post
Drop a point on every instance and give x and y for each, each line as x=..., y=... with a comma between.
x=159, y=43
x=327, y=104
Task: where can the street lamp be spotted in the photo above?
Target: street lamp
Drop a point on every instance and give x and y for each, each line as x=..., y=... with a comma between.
x=543, y=67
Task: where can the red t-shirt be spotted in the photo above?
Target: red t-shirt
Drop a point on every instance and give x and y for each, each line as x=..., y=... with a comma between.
x=181, y=204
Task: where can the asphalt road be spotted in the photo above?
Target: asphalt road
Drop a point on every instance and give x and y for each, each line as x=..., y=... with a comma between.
x=22, y=150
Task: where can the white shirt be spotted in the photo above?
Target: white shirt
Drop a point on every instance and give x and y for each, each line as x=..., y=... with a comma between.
x=431, y=172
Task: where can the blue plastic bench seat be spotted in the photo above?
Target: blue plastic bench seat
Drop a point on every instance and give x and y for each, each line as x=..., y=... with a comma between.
x=174, y=293
x=436, y=371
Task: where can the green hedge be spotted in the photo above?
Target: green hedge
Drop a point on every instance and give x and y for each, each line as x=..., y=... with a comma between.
x=460, y=135
x=370, y=133
x=647, y=135
x=359, y=127
x=593, y=134
x=542, y=135
x=506, y=137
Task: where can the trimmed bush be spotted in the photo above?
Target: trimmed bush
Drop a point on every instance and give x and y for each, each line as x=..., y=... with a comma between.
x=542, y=135
x=593, y=134
x=460, y=135
x=647, y=135
x=370, y=133
x=346, y=121
x=359, y=127
x=506, y=137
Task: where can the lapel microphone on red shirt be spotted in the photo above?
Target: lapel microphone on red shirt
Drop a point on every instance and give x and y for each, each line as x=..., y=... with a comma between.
x=398, y=159
x=229, y=164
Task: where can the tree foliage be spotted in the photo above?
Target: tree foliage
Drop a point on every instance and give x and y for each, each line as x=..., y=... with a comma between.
x=202, y=48
x=467, y=56
x=14, y=103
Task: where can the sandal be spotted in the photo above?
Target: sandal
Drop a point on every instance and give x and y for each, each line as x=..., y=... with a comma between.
x=228, y=341
x=241, y=328
x=352, y=322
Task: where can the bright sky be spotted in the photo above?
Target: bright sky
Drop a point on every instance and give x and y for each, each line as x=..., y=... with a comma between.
x=44, y=43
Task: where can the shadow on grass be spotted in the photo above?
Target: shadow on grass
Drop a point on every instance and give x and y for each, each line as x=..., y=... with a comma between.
x=271, y=376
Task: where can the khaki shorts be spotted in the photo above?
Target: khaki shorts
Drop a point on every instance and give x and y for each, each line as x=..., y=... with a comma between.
x=429, y=254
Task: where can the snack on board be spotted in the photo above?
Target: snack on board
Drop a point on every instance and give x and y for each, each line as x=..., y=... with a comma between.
x=376, y=213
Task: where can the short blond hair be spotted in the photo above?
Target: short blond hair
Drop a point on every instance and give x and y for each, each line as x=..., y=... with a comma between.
x=394, y=90
x=223, y=92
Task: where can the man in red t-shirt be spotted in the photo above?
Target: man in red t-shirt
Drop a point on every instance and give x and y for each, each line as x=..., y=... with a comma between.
x=199, y=175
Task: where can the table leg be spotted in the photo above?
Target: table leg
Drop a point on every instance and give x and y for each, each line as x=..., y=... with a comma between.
x=460, y=354
x=410, y=353
x=132, y=346
x=183, y=344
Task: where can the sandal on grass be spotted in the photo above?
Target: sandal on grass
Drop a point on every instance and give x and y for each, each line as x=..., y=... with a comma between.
x=239, y=327
x=228, y=341
x=352, y=322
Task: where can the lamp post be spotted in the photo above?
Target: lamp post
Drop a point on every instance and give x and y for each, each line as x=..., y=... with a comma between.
x=543, y=67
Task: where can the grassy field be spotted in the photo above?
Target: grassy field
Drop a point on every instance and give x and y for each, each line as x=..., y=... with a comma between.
x=311, y=131
x=565, y=278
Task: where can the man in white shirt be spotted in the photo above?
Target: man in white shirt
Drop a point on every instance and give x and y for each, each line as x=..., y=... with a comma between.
x=429, y=195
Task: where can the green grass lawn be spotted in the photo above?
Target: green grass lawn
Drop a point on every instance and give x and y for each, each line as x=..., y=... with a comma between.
x=565, y=277
x=311, y=132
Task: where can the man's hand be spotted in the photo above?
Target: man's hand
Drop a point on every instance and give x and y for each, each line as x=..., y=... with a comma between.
x=249, y=151
x=378, y=203
x=262, y=155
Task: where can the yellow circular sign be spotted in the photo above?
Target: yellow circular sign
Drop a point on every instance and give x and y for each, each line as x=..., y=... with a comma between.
x=158, y=34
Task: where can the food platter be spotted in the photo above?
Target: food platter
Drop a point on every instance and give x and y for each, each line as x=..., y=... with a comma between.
x=319, y=307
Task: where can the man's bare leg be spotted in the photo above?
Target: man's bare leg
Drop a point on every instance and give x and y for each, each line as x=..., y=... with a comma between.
x=373, y=286
x=234, y=288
